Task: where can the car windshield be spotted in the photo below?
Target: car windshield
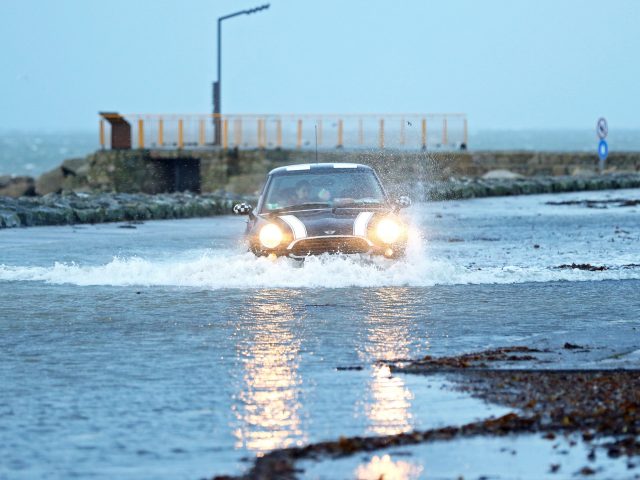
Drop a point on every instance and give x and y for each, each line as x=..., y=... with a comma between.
x=323, y=190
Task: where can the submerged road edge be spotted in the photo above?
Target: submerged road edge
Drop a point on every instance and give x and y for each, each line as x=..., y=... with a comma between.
x=596, y=403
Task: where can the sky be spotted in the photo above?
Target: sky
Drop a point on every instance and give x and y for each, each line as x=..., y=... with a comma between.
x=527, y=64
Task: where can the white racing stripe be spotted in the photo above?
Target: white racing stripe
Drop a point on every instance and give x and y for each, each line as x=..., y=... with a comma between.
x=345, y=165
x=293, y=168
x=361, y=224
x=297, y=227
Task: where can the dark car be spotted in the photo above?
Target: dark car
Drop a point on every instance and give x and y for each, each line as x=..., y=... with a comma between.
x=313, y=209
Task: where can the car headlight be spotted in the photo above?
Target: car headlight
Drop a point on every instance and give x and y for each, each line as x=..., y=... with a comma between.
x=388, y=230
x=270, y=236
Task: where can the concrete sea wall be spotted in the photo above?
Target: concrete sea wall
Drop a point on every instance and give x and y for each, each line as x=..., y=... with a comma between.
x=242, y=171
x=245, y=170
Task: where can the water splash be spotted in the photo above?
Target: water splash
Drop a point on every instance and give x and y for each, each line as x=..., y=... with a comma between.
x=219, y=269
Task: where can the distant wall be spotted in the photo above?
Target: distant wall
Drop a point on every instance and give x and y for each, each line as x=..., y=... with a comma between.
x=243, y=171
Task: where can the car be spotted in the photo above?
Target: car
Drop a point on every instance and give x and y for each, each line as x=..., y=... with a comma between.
x=325, y=208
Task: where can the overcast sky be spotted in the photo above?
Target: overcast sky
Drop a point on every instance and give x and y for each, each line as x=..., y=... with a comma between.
x=507, y=64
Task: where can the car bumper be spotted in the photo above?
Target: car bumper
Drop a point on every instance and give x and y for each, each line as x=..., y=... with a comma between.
x=331, y=244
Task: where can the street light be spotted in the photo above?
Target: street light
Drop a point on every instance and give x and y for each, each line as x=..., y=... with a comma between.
x=217, y=86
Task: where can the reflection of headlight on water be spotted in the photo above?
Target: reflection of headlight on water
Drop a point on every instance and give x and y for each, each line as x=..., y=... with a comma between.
x=385, y=467
x=270, y=236
x=388, y=230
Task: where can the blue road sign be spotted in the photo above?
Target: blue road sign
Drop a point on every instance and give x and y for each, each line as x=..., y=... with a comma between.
x=603, y=149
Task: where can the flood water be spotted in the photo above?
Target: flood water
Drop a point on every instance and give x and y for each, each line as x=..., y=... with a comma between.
x=167, y=351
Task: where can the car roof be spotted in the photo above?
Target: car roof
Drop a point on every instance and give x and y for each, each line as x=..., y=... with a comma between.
x=318, y=167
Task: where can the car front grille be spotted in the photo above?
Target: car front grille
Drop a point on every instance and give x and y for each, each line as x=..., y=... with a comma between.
x=337, y=244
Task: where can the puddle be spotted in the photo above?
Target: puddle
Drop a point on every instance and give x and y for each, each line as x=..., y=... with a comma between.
x=523, y=457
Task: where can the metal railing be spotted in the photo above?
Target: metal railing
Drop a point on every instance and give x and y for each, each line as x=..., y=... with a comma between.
x=408, y=131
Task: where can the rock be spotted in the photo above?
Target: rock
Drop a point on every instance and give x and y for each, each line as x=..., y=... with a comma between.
x=582, y=172
x=11, y=186
x=89, y=215
x=70, y=176
x=53, y=216
x=457, y=188
x=76, y=173
x=71, y=208
x=502, y=174
x=50, y=182
x=75, y=167
x=9, y=219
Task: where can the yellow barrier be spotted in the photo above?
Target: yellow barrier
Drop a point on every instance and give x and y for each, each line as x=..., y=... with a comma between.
x=465, y=134
x=225, y=133
x=237, y=131
x=360, y=131
x=102, y=139
x=279, y=133
x=201, y=137
x=140, y=133
x=445, y=138
x=261, y=133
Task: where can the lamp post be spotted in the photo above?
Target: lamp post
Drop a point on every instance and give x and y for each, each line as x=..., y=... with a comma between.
x=217, y=85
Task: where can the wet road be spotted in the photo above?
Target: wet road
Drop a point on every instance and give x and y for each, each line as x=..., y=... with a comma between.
x=183, y=355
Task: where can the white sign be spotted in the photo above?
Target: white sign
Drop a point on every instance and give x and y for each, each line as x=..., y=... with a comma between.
x=602, y=128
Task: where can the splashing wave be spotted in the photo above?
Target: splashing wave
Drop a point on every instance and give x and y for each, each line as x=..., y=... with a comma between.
x=230, y=269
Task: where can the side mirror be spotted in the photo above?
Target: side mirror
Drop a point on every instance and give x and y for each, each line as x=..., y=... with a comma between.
x=402, y=202
x=242, y=209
